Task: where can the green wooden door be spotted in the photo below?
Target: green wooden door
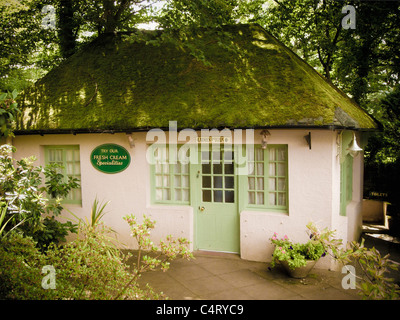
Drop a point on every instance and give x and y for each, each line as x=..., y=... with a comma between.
x=217, y=219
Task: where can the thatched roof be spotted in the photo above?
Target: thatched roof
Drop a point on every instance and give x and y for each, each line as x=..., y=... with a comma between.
x=115, y=84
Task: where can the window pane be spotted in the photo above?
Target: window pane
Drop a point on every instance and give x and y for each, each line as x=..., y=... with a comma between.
x=185, y=194
x=207, y=195
x=206, y=168
x=272, y=184
x=178, y=194
x=281, y=184
x=158, y=168
x=272, y=171
x=228, y=156
x=217, y=168
x=272, y=154
x=217, y=195
x=206, y=182
x=272, y=198
x=69, y=168
x=260, y=169
x=252, y=198
x=259, y=155
x=252, y=184
x=230, y=196
x=205, y=156
x=229, y=182
x=281, y=199
x=166, y=181
x=251, y=168
x=165, y=168
x=69, y=155
x=281, y=154
x=217, y=182
x=216, y=156
x=77, y=168
x=177, y=168
x=185, y=168
x=185, y=181
x=260, y=197
x=229, y=168
x=281, y=169
x=158, y=181
x=166, y=194
x=177, y=181
x=158, y=194
x=260, y=183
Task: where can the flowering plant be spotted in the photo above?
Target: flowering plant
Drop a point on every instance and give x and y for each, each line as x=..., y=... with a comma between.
x=296, y=254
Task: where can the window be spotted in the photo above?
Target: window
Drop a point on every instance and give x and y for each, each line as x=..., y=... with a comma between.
x=346, y=183
x=217, y=174
x=68, y=157
x=170, y=181
x=267, y=177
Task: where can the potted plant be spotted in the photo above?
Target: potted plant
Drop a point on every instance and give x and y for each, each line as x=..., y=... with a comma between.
x=297, y=258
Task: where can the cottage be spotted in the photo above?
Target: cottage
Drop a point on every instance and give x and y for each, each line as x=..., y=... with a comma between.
x=224, y=151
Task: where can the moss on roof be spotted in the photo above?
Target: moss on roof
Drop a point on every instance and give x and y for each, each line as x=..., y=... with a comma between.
x=120, y=85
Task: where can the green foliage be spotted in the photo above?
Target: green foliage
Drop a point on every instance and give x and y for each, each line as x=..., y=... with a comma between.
x=87, y=268
x=21, y=187
x=8, y=112
x=373, y=282
x=296, y=254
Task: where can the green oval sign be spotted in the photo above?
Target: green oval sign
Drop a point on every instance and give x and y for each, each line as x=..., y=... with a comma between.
x=110, y=158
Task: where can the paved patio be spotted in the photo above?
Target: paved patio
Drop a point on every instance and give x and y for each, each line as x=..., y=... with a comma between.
x=222, y=276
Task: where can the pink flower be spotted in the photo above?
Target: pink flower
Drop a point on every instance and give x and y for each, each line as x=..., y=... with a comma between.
x=285, y=237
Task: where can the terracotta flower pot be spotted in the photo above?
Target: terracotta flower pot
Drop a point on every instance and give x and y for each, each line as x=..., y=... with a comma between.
x=300, y=272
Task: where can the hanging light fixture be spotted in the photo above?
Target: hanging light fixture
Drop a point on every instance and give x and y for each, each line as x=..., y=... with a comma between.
x=264, y=138
x=354, y=148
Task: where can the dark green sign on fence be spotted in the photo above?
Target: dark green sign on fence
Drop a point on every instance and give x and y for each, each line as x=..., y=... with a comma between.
x=110, y=158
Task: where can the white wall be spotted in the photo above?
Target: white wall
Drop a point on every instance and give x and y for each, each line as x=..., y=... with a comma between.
x=314, y=190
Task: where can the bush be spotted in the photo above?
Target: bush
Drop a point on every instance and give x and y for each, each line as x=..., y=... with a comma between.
x=90, y=267
x=32, y=203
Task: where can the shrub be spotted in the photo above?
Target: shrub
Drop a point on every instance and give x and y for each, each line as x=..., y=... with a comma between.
x=32, y=203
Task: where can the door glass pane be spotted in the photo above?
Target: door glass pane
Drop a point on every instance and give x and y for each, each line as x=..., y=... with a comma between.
x=207, y=195
x=206, y=182
x=250, y=168
x=217, y=168
x=206, y=168
x=217, y=182
x=218, y=196
x=229, y=168
x=230, y=196
x=272, y=169
x=272, y=185
x=229, y=182
x=272, y=154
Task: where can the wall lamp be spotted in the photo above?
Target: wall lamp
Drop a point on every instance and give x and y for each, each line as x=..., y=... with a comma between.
x=354, y=149
x=130, y=139
x=264, y=138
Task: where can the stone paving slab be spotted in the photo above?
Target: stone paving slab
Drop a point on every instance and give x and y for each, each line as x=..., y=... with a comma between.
x=221, y=276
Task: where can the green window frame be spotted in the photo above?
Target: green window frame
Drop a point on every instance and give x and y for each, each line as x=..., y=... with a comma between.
x=267, y=178
x=68, y=156
x=346, y=183
x=170, y=180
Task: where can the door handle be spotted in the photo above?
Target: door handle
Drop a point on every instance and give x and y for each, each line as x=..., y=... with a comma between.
x=202, y=209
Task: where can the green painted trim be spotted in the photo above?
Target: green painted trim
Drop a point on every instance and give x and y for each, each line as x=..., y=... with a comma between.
x=172, y=188
x=346, y=173
x=64, y=149
x=243, y=184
